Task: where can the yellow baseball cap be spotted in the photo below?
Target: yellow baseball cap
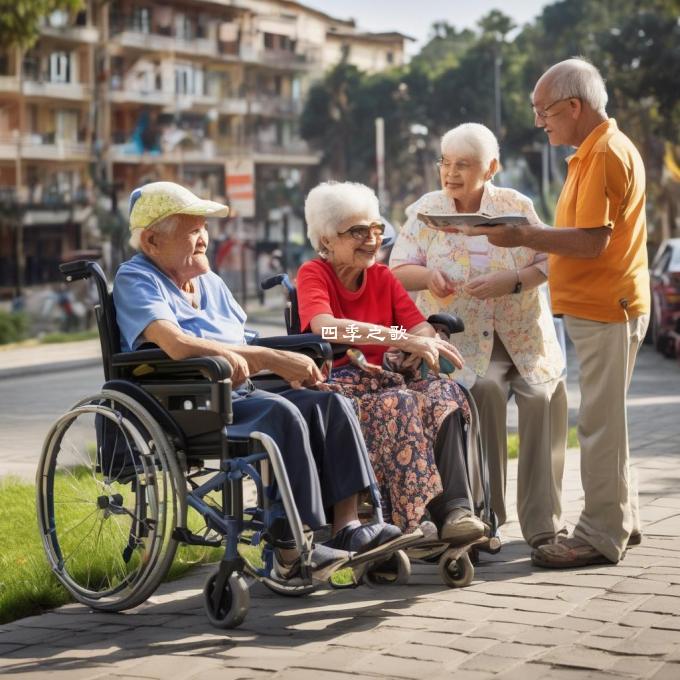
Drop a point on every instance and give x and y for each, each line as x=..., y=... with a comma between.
x=157, y=200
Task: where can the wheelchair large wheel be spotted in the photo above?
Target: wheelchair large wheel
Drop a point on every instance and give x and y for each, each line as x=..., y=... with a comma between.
x=109, y=494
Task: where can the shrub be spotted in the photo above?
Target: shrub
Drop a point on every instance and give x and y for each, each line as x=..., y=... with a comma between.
x=12, y=327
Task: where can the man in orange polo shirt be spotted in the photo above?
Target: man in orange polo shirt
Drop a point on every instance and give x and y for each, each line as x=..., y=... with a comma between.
x=599, y=281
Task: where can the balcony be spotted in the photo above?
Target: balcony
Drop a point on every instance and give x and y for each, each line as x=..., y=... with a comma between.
x=233, y=106
x=274, y=107
x=294, y=152
x=204, y=152
x=9, y=84
x=48, y=89
x=119, y=93
x=130, y=39
x=81, y=34
x=43, y=147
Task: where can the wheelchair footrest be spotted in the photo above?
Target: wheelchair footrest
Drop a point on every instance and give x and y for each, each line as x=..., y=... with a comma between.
x=183, y=535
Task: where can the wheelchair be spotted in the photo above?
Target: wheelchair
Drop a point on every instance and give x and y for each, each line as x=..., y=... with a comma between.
x=121, y=469
x=455, y=564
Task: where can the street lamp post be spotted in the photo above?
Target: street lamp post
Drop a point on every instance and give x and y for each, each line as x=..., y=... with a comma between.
x=497, y=61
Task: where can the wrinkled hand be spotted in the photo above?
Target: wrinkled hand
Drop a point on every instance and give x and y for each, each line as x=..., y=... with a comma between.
x=439, y=284
x=239, y=367
x=429, y=350
x=297, y=369
x=492, y=285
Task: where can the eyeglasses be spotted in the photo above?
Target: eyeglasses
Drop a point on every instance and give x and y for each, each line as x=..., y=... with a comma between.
x=544, y=114
x=362, y=232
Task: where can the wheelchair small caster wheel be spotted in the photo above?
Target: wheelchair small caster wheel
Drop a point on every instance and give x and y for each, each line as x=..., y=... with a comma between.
x=456, y=571
x=227, y=609
x=395, y=570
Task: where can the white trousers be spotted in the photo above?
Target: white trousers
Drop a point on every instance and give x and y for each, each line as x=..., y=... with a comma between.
x=606, y=355
x=542, y=426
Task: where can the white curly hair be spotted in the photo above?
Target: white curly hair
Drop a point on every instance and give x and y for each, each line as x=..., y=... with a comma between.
x=333, y=207
x=474, y=139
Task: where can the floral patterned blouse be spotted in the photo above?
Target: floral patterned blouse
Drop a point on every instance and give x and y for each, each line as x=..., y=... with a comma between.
x=522, y=321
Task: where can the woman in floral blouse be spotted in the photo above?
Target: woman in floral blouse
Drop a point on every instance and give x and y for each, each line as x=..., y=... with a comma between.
x=509, y=343
x=412, y=420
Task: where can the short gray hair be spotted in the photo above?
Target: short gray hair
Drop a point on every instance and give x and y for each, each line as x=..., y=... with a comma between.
x=473, y=138
x=576, y=78
x=167, y=224
x=332, y=204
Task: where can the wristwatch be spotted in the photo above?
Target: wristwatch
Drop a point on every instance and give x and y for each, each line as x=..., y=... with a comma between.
x=518, y=285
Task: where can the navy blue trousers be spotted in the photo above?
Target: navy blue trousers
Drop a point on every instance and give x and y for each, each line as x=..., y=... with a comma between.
x=320, y=441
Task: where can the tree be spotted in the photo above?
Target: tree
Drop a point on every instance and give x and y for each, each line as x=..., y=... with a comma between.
x=20, y=19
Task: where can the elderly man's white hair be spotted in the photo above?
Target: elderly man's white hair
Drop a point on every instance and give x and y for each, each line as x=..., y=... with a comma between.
x=576, y=78
x=168, y=225
x=472, y=139
x=333, y=207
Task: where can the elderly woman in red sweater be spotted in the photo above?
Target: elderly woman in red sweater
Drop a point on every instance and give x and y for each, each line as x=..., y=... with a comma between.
x=413, y=420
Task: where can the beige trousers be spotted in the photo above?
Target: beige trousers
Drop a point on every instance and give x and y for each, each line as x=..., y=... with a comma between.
x=542, y=443
x=606, y=355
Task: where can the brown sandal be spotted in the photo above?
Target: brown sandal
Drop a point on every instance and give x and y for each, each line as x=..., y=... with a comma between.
x=568, y=553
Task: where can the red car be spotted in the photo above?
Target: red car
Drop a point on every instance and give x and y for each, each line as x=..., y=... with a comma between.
x=665, y=281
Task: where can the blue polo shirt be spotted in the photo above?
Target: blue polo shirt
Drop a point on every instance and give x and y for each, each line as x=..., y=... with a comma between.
x=142, y=293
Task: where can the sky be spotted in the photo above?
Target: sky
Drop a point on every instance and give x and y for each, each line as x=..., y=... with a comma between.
x=415, y=17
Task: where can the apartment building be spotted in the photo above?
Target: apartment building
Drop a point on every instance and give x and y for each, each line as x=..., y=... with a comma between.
x=202, y=92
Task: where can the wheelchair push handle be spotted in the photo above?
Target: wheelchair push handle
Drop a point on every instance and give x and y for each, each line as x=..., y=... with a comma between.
x=277, y=280
x=78, y=269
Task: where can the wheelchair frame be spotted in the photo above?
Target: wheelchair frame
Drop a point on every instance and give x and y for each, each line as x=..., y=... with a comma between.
x=455, y=566
x=160, y=410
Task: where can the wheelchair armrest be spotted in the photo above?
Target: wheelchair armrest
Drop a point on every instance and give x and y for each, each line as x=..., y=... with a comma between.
x=307, y=343
x=214, y=368
x=448, y=323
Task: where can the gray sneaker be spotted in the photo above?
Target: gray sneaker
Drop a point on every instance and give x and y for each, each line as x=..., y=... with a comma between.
x=461, y=527
x=324, y=561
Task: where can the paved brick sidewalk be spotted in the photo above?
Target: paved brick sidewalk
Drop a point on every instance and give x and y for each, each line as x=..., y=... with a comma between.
x=514, y=621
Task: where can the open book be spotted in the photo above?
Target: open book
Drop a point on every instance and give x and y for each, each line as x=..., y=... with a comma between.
x=466, y=223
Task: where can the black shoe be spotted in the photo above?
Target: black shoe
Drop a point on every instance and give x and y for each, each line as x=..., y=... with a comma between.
x=365, y=537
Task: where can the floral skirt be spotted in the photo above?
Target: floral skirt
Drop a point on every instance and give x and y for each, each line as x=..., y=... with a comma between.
x=400, y=420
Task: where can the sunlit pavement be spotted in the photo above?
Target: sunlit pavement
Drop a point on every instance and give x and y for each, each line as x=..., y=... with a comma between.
x=514, y=621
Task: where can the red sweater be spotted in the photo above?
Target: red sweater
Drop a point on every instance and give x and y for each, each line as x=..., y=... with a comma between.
x=380, y=300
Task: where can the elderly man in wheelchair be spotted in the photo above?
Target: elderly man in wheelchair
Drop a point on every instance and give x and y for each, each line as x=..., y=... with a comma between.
x=154, y=423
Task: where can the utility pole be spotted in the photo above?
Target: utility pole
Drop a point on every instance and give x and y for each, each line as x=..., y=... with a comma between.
x=380, y=159
x=497, y=61
x=20, y=255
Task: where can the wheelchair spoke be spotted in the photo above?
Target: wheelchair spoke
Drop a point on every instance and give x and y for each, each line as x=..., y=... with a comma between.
x=73, y=528
x=82, y=540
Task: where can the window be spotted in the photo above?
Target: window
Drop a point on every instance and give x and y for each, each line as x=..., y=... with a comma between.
x=141, y=20
x=60, y=67
x=189, y=80
x=390, y=57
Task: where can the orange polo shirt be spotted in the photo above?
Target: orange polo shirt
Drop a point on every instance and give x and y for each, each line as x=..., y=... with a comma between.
x=605, y=187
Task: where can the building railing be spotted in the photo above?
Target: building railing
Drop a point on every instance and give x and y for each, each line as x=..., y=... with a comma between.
x=46, y=88
x=42, y=147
